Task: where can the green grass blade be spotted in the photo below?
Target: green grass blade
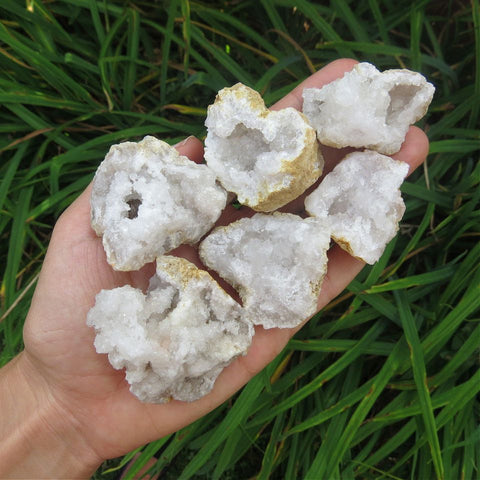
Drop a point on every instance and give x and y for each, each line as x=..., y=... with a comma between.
x=10, y=172
x=420, y=376
x=323, y=467
x=234, y=417
x=473, y=120
x=439, y=275
x=132, y=55
x=416, y=23
x=333, y=370
x=172, y=11
x=351, y=19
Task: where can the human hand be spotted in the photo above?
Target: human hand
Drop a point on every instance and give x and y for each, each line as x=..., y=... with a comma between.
x=83, y=397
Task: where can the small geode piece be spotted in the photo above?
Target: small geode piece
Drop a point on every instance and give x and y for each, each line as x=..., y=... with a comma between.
x=174, y=340
x=368, y=109
x=276, y=262
x=147, y=200
x=361, y=199
x=267, y=158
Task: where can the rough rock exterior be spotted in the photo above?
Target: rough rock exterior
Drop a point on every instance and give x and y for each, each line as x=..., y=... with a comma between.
x=267, y=158
x=362, y=201
x=366, y=108
x=147, y=200
x=276, y=262
x=174, y=341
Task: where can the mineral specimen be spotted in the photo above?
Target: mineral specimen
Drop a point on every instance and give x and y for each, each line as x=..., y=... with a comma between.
x=174, y=340
x=147, y=200
x=267, y=158
x=276, y=262
x=361, y=199
x=366, y=108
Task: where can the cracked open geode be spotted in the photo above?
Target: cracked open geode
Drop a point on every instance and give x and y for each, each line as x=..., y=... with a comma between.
x=367, y=108
x=361, y=200
x=147, y=200
x=276, y=262
x=174, y=340
x=267, y=158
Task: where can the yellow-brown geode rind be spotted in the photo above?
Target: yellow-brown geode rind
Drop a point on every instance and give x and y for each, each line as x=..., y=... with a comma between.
x=299, y=164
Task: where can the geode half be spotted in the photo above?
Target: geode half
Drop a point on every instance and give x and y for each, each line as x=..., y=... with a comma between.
x=276, y=262
x=361, y=199
x=267, y=158
x=147, y=200
x=174, y=340
x=368, y=109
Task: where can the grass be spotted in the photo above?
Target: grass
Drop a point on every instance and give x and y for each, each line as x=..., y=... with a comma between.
x=384, y=382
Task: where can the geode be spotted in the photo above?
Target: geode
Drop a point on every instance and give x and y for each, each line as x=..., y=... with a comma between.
x=361, y=199
x=267, y=158
x=147, y=200
x=276, y=262
x=368, y=109
x=174, y=340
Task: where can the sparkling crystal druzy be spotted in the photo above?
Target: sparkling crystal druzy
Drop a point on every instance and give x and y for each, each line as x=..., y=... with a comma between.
x=174, y=340
x=267, y=158
x=276, y=262
x=361, y=200
x=368, y=109
x=147, y=200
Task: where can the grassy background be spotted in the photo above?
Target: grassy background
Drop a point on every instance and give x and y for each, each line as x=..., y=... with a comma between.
x=384, y=382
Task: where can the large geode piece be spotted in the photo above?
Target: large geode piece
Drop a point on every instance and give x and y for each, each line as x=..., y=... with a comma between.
x=267, y=158
x=361, y=199
x=368, y=109
x=174, y=340
x=147, y=200
x=276, y=262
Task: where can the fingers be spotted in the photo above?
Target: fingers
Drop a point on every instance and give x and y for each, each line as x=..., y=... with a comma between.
x=192, y=148
x=414, y=149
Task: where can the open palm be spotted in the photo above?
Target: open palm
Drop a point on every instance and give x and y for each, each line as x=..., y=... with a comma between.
x=59, y=345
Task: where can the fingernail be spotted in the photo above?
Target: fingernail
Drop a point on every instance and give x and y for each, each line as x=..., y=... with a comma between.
x=184, y=142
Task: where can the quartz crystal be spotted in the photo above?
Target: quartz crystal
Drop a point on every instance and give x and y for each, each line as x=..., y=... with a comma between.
x=361, y=199
x=147, y=200
x=267, y=158
x=276, y=262
x=174, y=340
x=366, y=108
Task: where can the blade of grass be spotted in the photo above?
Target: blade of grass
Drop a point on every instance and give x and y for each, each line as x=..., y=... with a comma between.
x=326, y=375
x=323, y=467
x=268, y=462
x=473, y=120
x=416, y=23
x=354, y=25
x=420, y=376
x=186, y=26
x=172, y=11
x=10, y=172
x=439, y=275
x=234, y=417
x=132, y=55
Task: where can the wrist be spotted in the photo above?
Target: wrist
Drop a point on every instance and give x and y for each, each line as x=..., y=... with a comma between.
x=38, y=437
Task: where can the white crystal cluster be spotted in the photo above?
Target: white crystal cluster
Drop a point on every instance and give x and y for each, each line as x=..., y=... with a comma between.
x=277, y=263
x=174, y=340
x=147, y=200
x=361, y=200
x=267, y=158
x=368, y=109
